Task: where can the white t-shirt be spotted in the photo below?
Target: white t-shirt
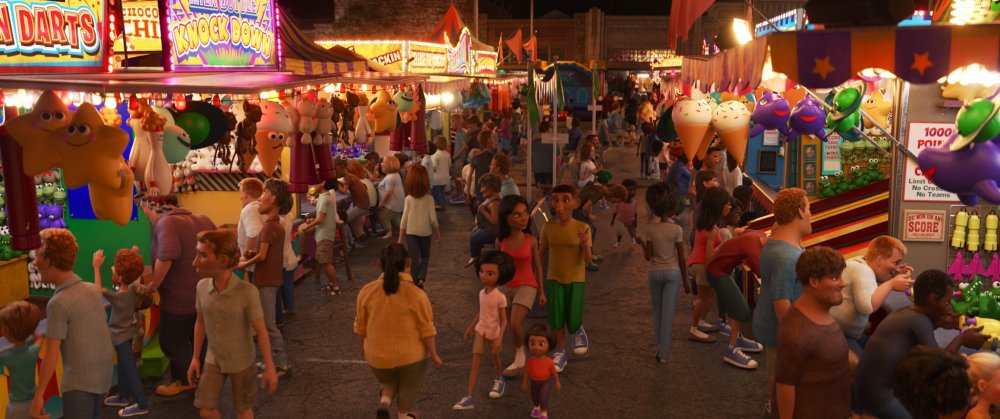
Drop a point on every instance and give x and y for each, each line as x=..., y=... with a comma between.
x=852, y=314
x=392, y=182
x=587, y=166
x=442, y=168
x=290, y=260
x=251, y=221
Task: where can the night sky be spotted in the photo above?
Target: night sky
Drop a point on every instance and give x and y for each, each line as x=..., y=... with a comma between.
x=519, y=8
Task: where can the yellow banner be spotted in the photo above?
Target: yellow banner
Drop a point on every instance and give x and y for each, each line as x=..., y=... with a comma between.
x=428, y=59
x=51, y=36
x=388, y=54
x=141, y=27
x=209, y=34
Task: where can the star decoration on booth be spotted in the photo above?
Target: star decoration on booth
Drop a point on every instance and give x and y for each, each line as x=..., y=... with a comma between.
x=95, y=149
x=32, y=131
x=823, y=67
x=921, y=62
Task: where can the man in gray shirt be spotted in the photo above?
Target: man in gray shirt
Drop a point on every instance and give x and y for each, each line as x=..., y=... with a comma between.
x=77, y=328
x=901, y=331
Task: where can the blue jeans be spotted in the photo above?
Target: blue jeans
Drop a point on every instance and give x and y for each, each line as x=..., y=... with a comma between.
x=286, y=294
x=129, y=383
x=478, y=239
x=644, y=163
x=79, y=404
x=664, y=285
x=893, y=409
x=437, y=191
x=505, y=144
x=857, y=345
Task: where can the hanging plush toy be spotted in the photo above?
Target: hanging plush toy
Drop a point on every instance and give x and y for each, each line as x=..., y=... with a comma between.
x=223, y=149
x=877, y=108
x=846, y=104
x=31, y=131
x=139, y=155
x=384, y=109
x=324, y=123
x=807, y=118
x=307, y=118
x=731, y=122
x=111, y=117
x=958, y=234
x=404, y=102
x=770, y=112
x=418, y=131
x=691, y=121
x=246, y=131
x=157, y=177
x=363, y=130
x=93, y=156
x=951, y=171
x=274, y=127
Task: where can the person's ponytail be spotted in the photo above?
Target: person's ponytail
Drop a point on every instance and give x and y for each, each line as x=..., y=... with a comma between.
x=393, y=261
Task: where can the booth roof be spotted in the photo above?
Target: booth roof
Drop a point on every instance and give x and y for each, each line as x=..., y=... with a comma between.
x=161, y=82
x=827, y=58
x=452, y=25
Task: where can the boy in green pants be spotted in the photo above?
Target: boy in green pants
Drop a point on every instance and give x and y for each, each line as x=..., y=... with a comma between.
x=570, y=243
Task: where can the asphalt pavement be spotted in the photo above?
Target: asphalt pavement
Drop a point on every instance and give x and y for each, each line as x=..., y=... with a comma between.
x=617, y=378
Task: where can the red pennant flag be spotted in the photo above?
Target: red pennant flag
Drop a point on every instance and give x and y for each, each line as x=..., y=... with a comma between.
x=683, y=14
x=514, y=43
x=532, y=45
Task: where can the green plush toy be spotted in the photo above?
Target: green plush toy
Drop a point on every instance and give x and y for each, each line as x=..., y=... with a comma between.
x=846, y=106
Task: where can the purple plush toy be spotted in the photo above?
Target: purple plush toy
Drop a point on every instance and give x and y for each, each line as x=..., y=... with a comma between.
x=808, y=118
x=43, y=218
x=771, y=112
x=950, y=170
x=56, y=216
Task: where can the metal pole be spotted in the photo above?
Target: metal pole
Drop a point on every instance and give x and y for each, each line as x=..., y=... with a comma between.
x=766, y=19
x=475, y=11
x=531, y=21
x=900, y=145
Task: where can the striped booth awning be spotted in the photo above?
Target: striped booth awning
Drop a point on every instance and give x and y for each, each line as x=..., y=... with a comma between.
x=827, y=58
x=302, y=56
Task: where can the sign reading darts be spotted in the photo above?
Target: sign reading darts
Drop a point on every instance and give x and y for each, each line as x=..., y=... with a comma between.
x=215, y=34
x=52, y=36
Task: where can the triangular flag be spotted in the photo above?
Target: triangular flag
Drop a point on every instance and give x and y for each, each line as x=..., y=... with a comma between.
x=532, y=45
x=500, y=50
x=683, y=14
x=515, y=45
x=533, y=113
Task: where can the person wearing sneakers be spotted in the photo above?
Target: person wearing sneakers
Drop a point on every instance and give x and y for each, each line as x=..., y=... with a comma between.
x=713, y=207
x=664, y=247
x=325, y=224
x=229, y=314
x=813, y=378
x=495, y=268
x=569, y=241
x=777, y=270
x=269, y=257
x=516, y=240
x=175, y=234
x=743, y=249
x=870, y=279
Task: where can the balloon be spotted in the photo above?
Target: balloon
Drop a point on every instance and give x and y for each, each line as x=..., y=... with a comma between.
x=197, y=127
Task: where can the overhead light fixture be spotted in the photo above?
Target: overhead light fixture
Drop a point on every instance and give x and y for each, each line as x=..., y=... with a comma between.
x=742, y=31
x=733, y=34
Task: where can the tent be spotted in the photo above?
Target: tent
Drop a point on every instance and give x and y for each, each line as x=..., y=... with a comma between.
x=450, y=28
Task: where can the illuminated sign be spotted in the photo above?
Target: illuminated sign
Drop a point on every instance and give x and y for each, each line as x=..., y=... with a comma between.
x=141, y=26
x=50, y=36
x=458, y=56
x=214, y=34
x=388, y=54
x=486, y=62
x=428, y=58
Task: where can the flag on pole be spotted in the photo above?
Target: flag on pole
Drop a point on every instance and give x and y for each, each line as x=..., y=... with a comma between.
x=515, y=45
x=683, y=14
x=533, y=113
x=532, y=45
x=559, y=96
x=500, y=50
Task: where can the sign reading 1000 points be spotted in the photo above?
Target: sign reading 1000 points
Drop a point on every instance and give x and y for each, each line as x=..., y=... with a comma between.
x=213, y=34
x=916, y=187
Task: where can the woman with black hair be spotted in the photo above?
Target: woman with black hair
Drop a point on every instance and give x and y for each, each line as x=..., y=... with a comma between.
x=396, y=326
x=713, y=207
x=515, y=239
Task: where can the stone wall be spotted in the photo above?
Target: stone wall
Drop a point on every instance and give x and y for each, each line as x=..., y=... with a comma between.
x=397, y=19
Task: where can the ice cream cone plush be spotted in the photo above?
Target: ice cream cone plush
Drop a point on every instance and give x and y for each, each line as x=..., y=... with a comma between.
x=706, y=142
x=731, y=122
x=274, y=128
x=691, y=121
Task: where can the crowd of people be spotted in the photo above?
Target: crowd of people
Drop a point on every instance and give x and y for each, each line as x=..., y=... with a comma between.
x=823, y=355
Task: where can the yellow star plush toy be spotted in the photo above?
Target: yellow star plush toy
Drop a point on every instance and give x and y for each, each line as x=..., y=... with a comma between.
x=33, y=130
x=92, y=155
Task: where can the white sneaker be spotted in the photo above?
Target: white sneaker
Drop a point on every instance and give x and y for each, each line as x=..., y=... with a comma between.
x=618, y=244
